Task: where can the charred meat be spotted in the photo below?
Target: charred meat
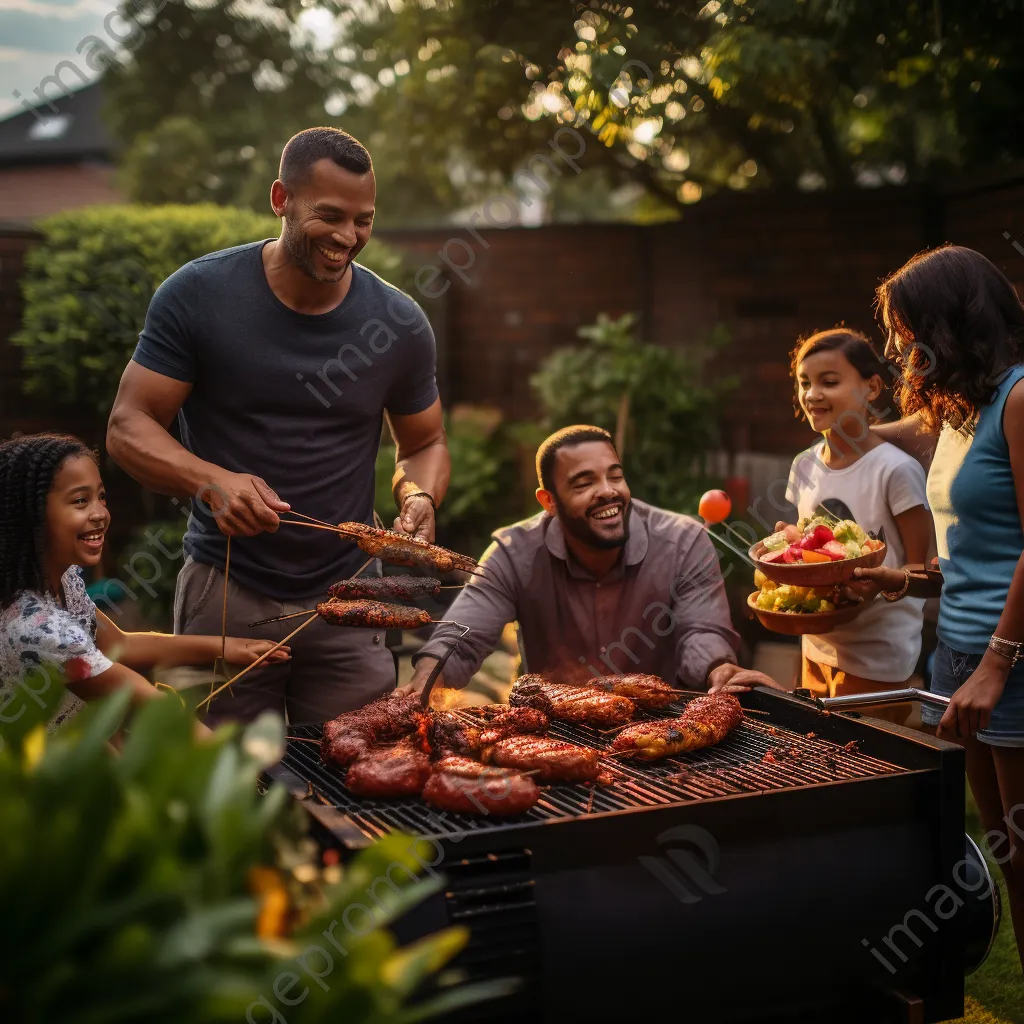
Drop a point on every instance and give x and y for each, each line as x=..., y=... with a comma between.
x=581, y=704
x=501, y=796
x=552, y=760
x=706, y=721
x=399, y=770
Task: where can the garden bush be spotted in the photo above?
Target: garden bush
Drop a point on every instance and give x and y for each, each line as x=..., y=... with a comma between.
x=159, y=886
x=88, y=283
x=660, y=396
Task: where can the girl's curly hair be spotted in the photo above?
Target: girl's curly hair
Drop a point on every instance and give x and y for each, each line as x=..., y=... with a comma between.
x=959, y=324
x=28, y=466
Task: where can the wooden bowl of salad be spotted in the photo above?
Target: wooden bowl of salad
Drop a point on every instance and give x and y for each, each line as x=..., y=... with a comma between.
x=794, y=621
x=817, y=553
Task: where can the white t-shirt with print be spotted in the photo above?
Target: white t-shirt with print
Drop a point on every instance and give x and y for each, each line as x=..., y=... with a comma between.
x=35, y=631
x=884, y=641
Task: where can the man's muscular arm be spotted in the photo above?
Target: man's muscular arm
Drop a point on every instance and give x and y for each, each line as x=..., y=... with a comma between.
x=139, y=442
x=422, y=467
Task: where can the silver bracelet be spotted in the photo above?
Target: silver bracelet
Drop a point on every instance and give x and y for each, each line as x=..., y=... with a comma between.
x=1009, y=649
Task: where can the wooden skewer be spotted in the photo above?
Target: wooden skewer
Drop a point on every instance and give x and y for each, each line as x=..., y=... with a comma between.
x=315, y=526
x=263, y=657
x=303, y=739
x=224, y=616
x=312, y=519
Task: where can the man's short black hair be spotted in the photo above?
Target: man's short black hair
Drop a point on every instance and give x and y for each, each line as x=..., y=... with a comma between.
x=305, y=149
x=567, y=437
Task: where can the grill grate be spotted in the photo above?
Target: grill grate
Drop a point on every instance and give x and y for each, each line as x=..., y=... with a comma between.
x=735, y=766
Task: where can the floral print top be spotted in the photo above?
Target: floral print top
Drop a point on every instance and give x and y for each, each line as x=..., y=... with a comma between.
x=34, y=631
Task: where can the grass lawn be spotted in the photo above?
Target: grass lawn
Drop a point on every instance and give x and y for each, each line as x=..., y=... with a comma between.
x=995, y=993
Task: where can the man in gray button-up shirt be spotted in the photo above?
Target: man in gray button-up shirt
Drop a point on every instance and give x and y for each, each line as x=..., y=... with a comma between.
x=599, y=583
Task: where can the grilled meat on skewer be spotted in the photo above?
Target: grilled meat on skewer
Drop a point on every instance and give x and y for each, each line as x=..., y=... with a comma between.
x=644, y=691
x=449, y=733
x=385, y=588
x=553, y=760
x=401, y=770
x=372, y=614
x=707, y=720
x=467, y=768
x=571, y=703
x=504, y=795
x=400, y=549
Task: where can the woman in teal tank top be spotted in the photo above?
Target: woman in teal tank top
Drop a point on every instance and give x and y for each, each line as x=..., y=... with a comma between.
x=955, y=326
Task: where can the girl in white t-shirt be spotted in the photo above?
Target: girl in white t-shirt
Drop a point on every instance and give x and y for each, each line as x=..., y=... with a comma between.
x=855, y=475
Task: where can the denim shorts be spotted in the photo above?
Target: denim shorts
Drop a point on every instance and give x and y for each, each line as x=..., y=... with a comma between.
x=951, y=670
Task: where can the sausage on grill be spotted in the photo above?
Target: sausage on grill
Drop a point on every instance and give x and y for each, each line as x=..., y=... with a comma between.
x=571, y=703
x=553, y=760
x=706, y=721
x=400, y=549
x=401, y=770
x=501, y=796
x=644, y=691
x=385, y=588
x=372, y=614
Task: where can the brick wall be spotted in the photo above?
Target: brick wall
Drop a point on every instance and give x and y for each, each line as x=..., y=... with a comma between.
x=771, y=267
x=27, y=193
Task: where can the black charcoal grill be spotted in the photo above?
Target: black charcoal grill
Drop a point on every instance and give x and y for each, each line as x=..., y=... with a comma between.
x=756, y=880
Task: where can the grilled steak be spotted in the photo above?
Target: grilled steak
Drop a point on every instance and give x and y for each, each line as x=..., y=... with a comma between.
x=553, y=760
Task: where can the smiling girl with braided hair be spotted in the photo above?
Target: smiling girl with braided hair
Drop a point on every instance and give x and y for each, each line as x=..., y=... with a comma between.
x=53, y=522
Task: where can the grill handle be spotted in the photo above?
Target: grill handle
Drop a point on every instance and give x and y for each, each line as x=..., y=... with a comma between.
x=848, y=702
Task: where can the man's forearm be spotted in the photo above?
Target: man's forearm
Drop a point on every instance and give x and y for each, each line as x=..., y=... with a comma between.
x=148, y=453
x=425, y=470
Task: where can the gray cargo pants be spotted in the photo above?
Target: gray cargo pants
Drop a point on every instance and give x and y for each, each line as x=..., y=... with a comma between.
x=331, y=669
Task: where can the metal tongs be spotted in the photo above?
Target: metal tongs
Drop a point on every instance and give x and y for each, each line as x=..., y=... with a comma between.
x=848, y=702
x=436, y=670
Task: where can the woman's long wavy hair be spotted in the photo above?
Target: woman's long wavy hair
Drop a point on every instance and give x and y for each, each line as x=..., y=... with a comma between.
x=957, y=324
x=28, y=466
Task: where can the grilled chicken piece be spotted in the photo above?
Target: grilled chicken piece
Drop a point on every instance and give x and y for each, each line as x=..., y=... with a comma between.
x=571, y=703
x=706, y=721
x=553, y=760
x=507, y=794
x=644, y=691
x=401, y=770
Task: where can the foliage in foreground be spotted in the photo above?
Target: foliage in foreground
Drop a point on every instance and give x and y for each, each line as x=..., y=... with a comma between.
x=159, y=886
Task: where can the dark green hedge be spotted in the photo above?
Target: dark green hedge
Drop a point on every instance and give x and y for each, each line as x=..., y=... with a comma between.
x=88, y=282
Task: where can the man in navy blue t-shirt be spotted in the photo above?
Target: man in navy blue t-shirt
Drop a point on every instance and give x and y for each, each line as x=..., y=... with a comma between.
x=280, y=360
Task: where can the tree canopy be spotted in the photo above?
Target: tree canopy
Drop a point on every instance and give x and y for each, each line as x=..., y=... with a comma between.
x=678, y=98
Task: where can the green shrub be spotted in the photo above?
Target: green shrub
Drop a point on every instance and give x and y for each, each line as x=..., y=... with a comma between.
x=159, y=886
x=88, y=283
x=669, y=411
